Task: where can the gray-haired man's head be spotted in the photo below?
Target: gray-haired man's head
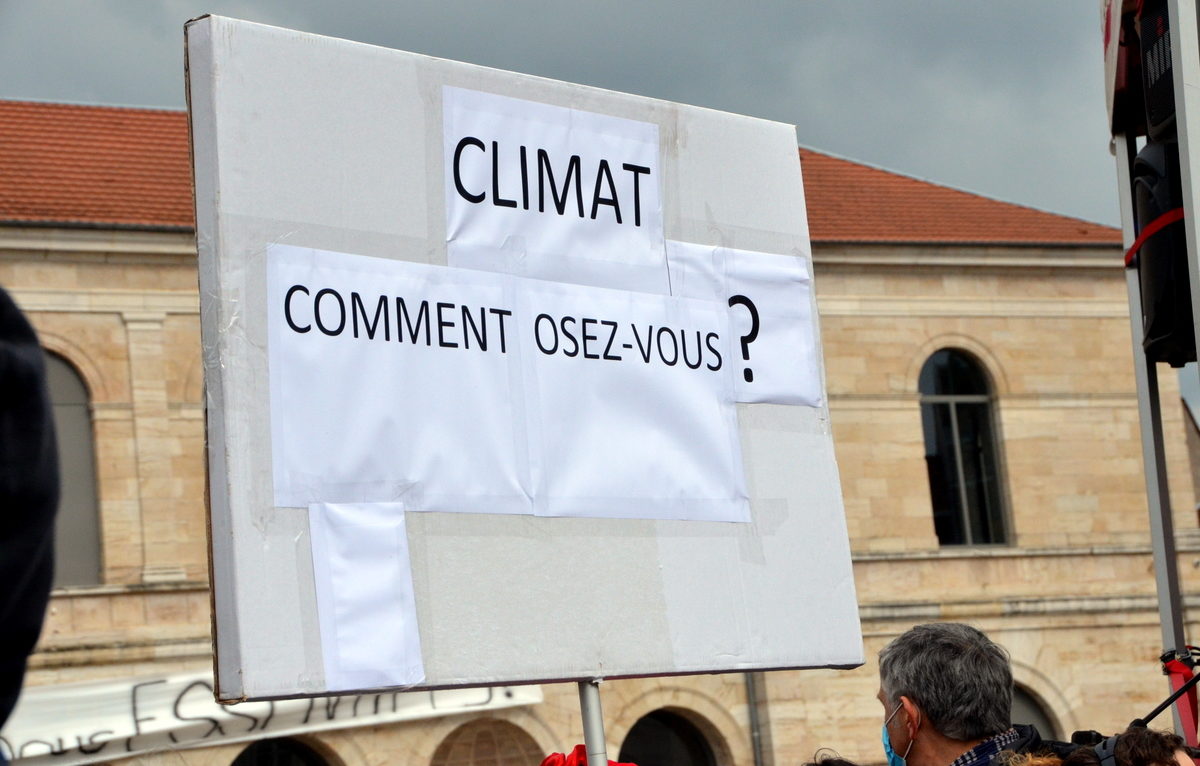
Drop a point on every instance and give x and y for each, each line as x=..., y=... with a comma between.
x=961, y=679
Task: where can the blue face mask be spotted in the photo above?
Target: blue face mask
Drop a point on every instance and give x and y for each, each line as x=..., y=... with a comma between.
x=893, y=758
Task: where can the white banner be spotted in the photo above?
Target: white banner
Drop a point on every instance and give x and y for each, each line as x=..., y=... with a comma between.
x=92, y=722
x=461, y=390
x=553, y=193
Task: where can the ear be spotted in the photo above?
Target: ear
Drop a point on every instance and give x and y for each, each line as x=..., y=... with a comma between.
x=914, y=716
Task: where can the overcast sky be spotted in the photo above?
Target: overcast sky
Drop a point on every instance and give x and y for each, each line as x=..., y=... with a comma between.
x=1001, y=98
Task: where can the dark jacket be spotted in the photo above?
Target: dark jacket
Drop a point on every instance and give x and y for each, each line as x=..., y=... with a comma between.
x=1030, y=741
x=29, y=492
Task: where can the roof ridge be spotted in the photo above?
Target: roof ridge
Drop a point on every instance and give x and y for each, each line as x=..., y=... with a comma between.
x=98, y=107
x=949, y=187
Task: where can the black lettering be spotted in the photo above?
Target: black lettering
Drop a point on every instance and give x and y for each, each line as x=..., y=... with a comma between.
x=602, y=172
x=502, y=313
x=270, y=715
x=287, y=308
x=545, y=172
x=464, y=142
x=586, y=338
x=341, y=312
x=49, y=747
x=637, y=170
x=468, y=320
x=567, y=333
x=88, y=749
x=491, y=692
x=360, y=698
x=137, y=721
x=674, y=347
x=331, y=706
x=357, y=307
x=646, y=349
x=233, y=711
x=699, y=351
x=442, y=324
x=6, y=749
x=214, y=724
x=708, y=339
x=422, y=319
x=612, y=334
x=524, y=180
x=537, y=333
x=497, y=200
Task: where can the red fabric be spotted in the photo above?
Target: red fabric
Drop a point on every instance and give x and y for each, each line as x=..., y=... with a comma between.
x=1152, y=228
x=577, y=757
x=1180, y=673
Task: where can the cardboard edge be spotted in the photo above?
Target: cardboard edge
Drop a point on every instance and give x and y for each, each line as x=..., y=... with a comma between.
x=228, y=684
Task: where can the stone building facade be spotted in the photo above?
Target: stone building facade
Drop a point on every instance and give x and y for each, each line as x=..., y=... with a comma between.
x=1025, y=313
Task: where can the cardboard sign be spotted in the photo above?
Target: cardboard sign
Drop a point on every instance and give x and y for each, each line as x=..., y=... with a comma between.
x=468, y=424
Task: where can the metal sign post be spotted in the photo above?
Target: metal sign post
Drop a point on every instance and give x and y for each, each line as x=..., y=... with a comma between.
x=593, y=723
x=1185, y=64
x=1158, y=501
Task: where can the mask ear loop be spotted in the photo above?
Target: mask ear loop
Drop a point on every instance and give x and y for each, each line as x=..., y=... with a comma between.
x=913, y=739
x=888, y=720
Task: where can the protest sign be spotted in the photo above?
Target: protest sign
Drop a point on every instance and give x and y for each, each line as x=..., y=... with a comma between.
x=486, y=343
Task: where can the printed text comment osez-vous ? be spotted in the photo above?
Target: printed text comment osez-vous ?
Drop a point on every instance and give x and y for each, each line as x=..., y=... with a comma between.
x=458, y=326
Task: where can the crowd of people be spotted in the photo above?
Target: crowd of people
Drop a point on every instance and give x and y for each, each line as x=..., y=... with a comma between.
x=946, y=691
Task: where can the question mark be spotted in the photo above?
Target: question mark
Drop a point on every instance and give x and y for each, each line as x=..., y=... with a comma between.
x=749, y=337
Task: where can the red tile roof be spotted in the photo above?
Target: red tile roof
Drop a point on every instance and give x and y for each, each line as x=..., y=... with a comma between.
x=94, y=165
x=69, y=164
x=851, y=202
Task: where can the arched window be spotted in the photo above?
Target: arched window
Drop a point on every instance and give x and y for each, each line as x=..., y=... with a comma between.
x=77, y=529
x=666, y=739
x=488, y=742
x=279, y=752
x=961, y=453
x=1027, y=709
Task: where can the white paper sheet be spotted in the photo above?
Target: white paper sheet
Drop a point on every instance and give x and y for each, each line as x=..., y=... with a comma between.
x=488, y=393
x=365, y=604
x=638, y=421
x=552, y=193
x=770, y=305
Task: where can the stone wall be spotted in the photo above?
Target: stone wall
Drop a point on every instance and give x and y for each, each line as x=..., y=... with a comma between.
x=1072, y=597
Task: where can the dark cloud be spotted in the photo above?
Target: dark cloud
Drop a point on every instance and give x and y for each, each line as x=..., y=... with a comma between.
x=1002, y=98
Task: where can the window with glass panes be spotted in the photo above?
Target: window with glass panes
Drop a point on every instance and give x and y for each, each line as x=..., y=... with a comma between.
x=962, y=455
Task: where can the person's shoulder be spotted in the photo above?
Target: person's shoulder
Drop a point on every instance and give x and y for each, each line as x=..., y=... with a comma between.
x=1029, y=741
